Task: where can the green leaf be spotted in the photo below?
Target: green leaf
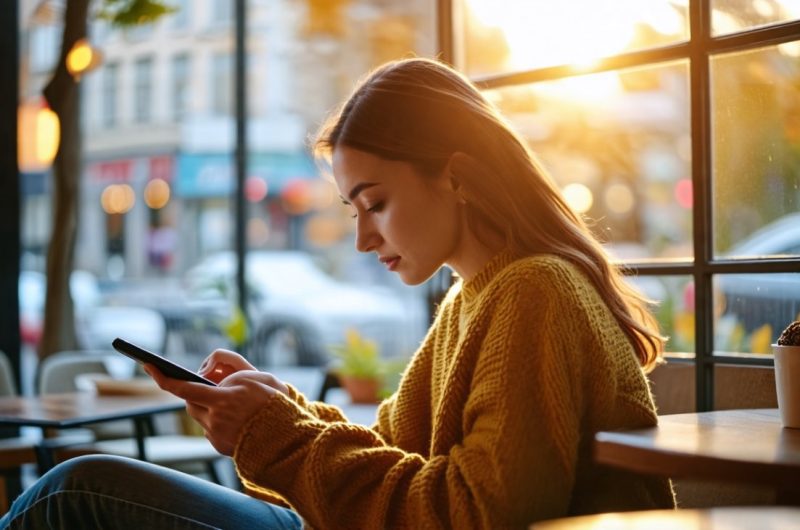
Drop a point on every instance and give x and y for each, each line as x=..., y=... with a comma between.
x=129, y=13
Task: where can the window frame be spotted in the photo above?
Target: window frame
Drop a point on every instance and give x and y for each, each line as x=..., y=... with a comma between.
x=698, y=50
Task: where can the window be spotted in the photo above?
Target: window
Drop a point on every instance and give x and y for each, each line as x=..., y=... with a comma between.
x=110, y=102
x=143, y=90
x=222, y=84
x=44, y=44
x=221, y=12
x=673, y=126
x=180, y=86
x=181, y=18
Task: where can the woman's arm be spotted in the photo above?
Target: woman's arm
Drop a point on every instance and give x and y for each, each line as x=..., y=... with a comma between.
x=509, y=458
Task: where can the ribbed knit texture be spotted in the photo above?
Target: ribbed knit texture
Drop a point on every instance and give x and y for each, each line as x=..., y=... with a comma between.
x=491, y=426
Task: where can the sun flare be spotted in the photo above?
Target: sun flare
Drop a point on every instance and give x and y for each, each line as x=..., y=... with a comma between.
x=578, y=32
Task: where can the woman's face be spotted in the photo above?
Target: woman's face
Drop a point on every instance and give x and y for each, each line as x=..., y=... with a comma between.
x=414, y=223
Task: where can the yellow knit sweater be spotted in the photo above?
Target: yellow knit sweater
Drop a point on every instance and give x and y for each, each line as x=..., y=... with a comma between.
x=491, y=426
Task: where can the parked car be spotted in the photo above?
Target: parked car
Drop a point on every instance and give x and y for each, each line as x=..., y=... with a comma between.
x=755, y=300
x=293, y=301
x=32, y=291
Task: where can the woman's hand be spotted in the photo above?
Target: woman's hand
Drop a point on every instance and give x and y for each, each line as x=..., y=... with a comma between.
x=223, y=410
x=222, y=363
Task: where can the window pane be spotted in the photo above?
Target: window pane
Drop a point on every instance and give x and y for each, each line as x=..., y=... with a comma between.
x=618, y=145
x=730, y=16
x=755, y=102
x=143, y=71
x=521, y=34
x=157, y=223
x=673, y=298
x=751, y=310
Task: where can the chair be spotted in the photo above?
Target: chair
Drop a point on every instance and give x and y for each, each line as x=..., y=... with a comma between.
x=14, y=450
x=59, y=373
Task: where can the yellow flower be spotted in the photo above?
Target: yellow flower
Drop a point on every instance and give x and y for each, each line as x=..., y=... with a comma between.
x=761, y=339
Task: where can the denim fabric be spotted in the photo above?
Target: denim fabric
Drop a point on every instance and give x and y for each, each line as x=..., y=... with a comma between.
x=116, y=493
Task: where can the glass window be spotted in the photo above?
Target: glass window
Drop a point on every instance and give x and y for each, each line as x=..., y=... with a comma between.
x=755, y=102
x=158, y=226
x=731, y=16
x=618, y=145
x=44, y=46
x=751, y=310
x=180, y=86
x=222, y=84
x=221, y=12
x=521, y=34
x=657, y=182
x=143, y=90
x=110, y=97
x=181, y=18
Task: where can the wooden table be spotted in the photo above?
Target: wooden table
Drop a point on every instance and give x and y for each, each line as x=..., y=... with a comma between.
x=745, y=446
x=62, y=411
x=760, y=518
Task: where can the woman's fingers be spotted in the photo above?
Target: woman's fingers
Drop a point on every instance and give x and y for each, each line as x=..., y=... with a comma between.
x=264, y=378
x=222, y=363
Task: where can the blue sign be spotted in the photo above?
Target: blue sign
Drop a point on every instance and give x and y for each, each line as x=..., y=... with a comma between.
x=212, y=175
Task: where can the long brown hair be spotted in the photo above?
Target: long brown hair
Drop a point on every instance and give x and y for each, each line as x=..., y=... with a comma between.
x=425, y=113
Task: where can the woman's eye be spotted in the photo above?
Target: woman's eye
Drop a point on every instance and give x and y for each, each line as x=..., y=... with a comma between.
x=377, y=208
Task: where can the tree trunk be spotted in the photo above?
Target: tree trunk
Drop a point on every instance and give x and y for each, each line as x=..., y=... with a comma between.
x=63, y=96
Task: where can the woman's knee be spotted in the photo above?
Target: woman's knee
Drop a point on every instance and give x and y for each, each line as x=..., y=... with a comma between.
x=81, y=471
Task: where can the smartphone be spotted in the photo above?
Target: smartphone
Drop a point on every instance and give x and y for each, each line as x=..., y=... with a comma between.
x=167, y=367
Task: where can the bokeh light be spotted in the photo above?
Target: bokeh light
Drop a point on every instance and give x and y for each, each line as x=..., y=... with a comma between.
x=156, y=194
x=255, y=189
x=619, y=198
x=117, y=198
x=579, y=197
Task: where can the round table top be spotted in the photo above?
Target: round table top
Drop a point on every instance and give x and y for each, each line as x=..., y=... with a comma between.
x=728, y=518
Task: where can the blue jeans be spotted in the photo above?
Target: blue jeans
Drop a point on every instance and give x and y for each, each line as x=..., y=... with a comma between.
x=100, y=491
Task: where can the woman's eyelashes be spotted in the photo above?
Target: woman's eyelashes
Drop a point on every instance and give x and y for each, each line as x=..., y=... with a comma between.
x=377, y=207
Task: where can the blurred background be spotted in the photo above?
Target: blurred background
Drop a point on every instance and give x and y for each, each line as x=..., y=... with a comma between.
x=631, y=116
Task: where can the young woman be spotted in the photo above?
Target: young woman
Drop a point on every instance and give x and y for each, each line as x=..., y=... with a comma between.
x=538, y=345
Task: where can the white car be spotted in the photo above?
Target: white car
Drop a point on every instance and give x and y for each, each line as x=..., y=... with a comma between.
x=288, y=293
x=32, y=291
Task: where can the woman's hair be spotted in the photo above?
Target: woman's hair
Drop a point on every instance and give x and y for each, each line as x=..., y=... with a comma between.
x=425, y=113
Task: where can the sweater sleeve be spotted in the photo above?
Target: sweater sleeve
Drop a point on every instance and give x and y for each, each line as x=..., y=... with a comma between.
x=513, y=461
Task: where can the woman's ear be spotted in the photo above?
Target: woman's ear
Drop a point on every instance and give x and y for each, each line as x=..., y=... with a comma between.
x=456, y=169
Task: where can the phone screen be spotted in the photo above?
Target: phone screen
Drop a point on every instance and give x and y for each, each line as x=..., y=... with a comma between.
x=167, y=367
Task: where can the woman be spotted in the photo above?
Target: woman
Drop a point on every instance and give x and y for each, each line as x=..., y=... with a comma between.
x=538, y=345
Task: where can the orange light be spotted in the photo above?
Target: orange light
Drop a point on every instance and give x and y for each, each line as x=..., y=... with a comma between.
x=38, y=135
x=117, y=198
x=156, y=194
x=82, y=58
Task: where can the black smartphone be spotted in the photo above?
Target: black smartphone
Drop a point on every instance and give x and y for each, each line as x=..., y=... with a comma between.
x=167, y=367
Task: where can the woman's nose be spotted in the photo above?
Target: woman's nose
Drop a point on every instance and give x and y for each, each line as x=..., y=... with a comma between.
x=367, y=238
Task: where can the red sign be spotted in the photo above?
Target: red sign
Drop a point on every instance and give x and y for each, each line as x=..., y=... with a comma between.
x=112, y=171
x=161, y=168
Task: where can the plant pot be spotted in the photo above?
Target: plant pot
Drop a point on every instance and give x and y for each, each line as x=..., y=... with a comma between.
x=361, y=390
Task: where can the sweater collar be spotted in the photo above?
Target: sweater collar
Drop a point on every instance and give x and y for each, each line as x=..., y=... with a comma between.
x=473, y=288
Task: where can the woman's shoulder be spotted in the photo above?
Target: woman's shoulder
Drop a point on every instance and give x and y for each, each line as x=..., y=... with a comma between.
x=541, y=271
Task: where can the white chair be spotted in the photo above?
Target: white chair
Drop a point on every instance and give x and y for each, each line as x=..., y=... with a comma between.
x=60, y=372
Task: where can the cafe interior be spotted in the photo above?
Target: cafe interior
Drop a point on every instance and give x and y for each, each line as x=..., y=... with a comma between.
x=147, y=157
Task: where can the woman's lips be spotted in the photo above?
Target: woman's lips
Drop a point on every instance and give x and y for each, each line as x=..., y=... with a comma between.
x=391, y=263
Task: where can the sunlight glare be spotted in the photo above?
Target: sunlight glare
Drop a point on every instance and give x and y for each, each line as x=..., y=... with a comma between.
x=549, y=33
x=578, y=196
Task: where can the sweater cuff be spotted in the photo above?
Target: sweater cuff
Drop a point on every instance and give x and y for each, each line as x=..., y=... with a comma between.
x=274, y=441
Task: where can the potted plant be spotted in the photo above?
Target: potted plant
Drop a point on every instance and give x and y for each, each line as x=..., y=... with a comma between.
x=360, y=370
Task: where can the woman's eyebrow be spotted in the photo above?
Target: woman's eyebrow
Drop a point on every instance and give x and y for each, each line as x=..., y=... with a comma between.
x=358, y=188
